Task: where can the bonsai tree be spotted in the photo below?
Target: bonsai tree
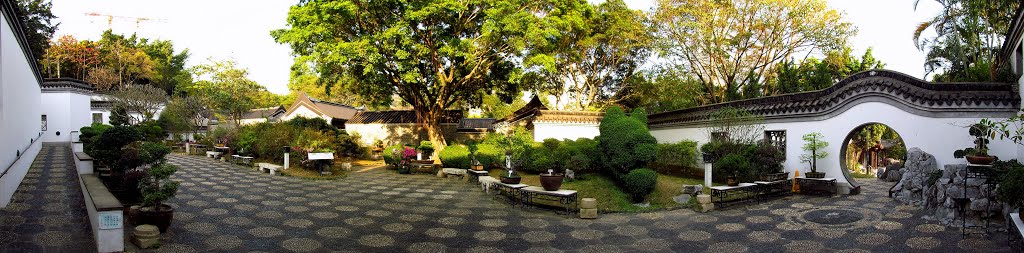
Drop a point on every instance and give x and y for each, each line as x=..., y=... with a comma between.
x=471, y=146
x=981, y=132
x=814, y=144
x=426, y=147
x=157, y=186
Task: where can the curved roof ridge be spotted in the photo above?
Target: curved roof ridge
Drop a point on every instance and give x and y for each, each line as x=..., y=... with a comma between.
x=898, y=88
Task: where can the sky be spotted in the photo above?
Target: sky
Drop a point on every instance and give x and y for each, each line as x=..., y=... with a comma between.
x=239, y=30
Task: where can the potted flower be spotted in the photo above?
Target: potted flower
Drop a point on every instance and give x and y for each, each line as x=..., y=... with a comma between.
x=407, y=154
x=979, y=153
x=814, y=144
x=551, y=181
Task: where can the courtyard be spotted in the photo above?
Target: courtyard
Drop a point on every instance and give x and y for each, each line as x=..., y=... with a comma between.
x=223, y=207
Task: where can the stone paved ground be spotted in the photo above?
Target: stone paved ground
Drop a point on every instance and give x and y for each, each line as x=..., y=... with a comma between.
x=226, y=208
x=47, y=213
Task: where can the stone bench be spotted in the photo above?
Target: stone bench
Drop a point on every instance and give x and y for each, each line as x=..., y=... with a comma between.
x=449, y=172
x=237, y=159
x=214, y=154
x=486, y=182
x=268, y=167
x=566, y=198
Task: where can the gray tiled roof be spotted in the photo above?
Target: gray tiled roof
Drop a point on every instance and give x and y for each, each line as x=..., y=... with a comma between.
x=894, y=88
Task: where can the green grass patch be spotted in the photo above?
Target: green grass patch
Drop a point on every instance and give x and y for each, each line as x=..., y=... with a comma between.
x=610, y=198
x=859, y=175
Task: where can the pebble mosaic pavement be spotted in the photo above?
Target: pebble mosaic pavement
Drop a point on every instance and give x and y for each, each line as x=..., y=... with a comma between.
x=226, y=208
x=47, y=212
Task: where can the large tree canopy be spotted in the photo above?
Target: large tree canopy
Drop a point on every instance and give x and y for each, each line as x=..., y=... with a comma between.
x=732, y=43
x=434, y=54
x=599, y=51
x=969, y=34
x=117, y=61
x=39, y=28
x=226, y=89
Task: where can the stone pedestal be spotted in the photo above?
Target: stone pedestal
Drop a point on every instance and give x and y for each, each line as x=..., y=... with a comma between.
x=146, y=236
x=588, y=208
x=704, y=203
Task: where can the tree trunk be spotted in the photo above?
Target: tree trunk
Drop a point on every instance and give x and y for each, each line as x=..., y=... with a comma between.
x=431, y=120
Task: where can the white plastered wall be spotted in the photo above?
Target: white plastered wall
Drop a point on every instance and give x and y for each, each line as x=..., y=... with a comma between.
x=936, y=136
x=19, y=113
x=305, y=112
x=65, y=112
x=560, y=131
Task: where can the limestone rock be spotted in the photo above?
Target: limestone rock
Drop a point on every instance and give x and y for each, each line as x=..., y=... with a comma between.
x=682, y=198
x=704, y=199
x=918, y=168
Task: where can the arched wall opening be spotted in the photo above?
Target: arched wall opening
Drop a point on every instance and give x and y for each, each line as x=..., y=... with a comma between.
x=869, y=149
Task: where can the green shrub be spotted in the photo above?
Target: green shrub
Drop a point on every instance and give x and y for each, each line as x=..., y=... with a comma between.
x=639, y=182
x=455, y=156
x=625, y=142
x=391, y=155
x=315, y=123
x=107, y=147
x=490, y=155
x=682, y=153
x=89, y=134
x=551, y=144
x=580, y=155
x=733, y=165
x=765, y=158
x=151, y=131
x=1011, y=183
x=541, y=159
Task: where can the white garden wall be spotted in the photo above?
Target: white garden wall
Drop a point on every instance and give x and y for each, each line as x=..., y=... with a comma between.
x=937, y=136
x=19, y=112
x=562, y=131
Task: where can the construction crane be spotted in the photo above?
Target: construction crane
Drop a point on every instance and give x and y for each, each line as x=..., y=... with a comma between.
x=110, y=19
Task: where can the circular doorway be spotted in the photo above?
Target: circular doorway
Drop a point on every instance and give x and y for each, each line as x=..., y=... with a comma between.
x=869, y=149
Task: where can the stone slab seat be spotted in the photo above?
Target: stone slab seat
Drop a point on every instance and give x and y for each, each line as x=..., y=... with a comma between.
x=99, y=203
x=268, y=167
x=83, y=156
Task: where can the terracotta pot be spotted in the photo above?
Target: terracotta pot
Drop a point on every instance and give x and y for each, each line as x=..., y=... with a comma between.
x=732, y=181
x=511, y=180
x=815, y=175
x=478, y=167
x=551, y=182
x=161, y=219
x=980, y=160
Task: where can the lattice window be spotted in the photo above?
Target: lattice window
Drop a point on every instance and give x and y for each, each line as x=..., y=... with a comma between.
x=44, y=123
x=776, y=138
x=97, y=118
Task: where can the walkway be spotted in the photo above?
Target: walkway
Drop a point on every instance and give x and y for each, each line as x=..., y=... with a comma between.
x=222, y=207
x=47, y=213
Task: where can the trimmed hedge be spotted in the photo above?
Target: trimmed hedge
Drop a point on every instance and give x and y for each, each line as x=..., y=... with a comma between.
x=457, y=156
x=625, y=141
x=640, y=182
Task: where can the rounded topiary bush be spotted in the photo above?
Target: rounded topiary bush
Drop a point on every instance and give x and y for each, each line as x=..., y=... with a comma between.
x=455, y=156
x=640, y=182
x=625, y=142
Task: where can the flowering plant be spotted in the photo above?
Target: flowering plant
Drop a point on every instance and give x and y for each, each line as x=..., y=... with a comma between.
x=407, y=155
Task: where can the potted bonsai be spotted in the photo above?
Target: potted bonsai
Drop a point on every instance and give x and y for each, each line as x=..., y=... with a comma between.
x=475, y=165
x=427, y=148
x=979, y=153
x=551, y=181
x=814, y=144
x=155, y=185
x=510, y=176
x=732, y=165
